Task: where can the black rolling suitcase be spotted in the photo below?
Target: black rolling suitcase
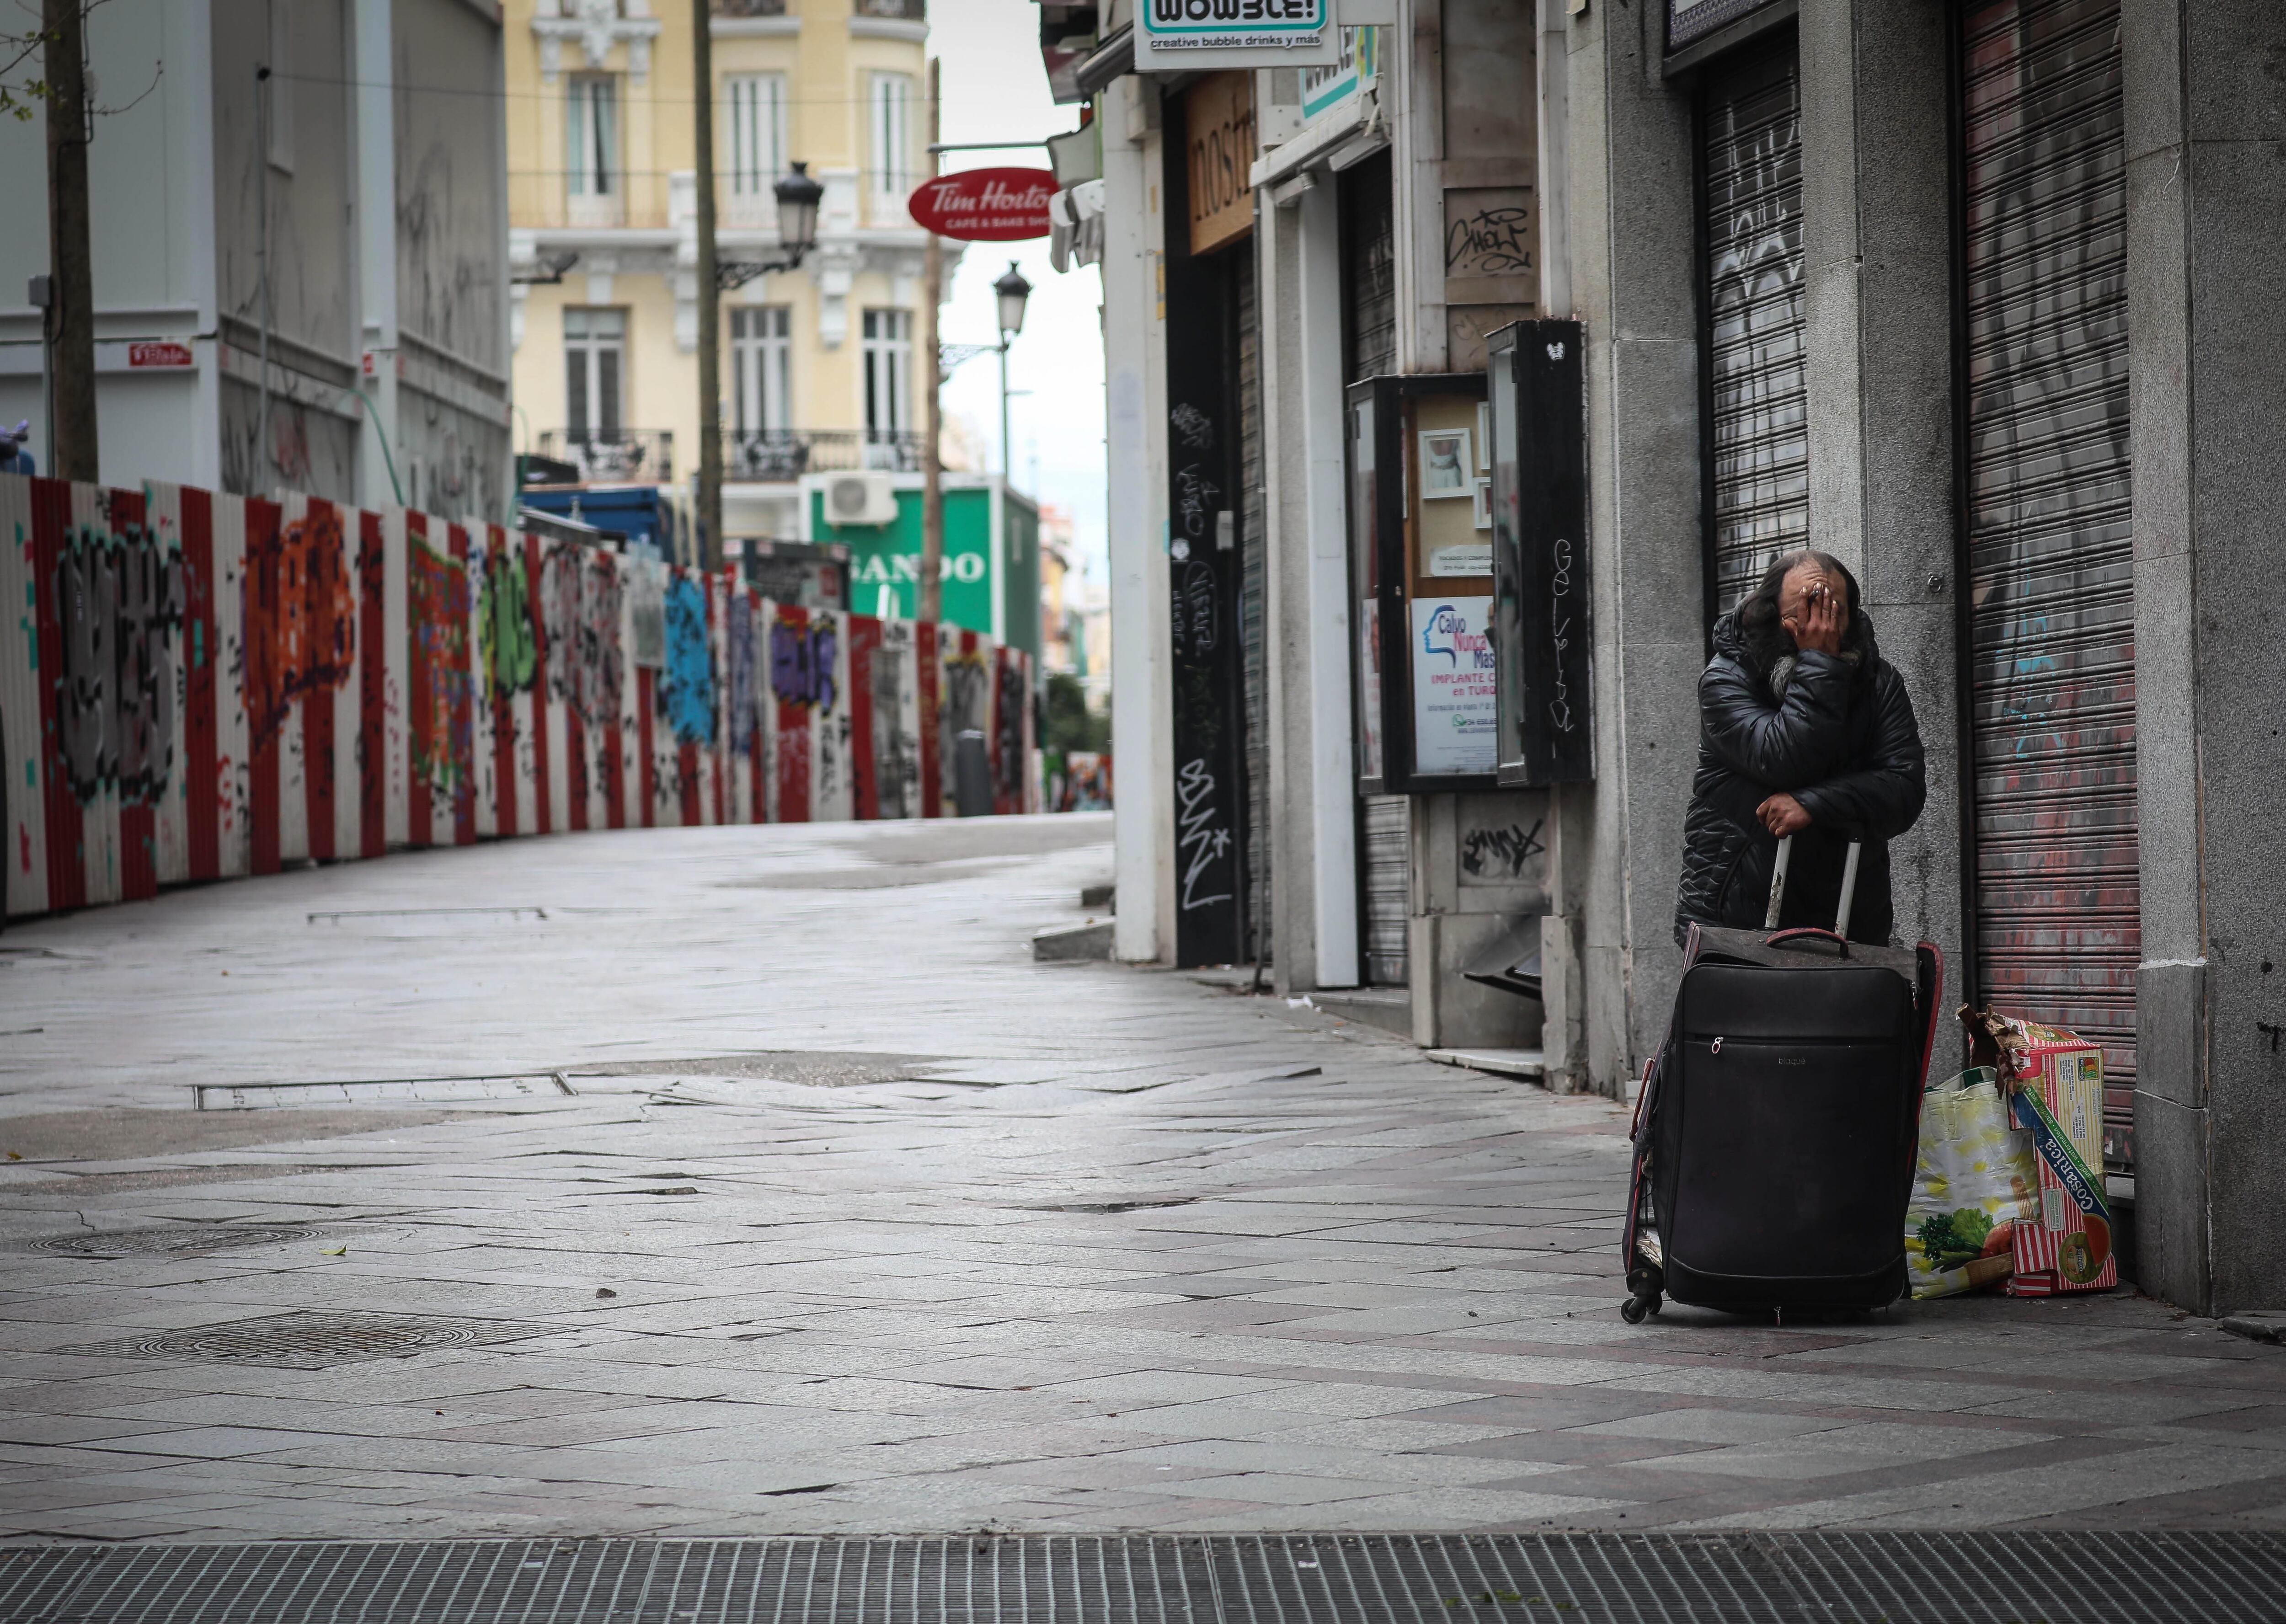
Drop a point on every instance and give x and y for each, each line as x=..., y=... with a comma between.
x=1776, y=1133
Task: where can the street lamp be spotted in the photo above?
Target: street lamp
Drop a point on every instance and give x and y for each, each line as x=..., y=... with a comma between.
x=798, y=197
x=1013, y=290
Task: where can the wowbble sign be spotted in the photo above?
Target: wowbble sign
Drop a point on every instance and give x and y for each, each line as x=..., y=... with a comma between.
x=985, y=205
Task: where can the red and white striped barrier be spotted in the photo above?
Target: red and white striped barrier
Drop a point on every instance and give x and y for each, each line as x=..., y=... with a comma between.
x=200, y=687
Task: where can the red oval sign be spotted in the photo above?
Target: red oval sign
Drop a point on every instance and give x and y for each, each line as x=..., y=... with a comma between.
x=985, y=205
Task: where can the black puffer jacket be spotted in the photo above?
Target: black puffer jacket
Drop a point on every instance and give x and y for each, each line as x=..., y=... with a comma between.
x=1843, y=742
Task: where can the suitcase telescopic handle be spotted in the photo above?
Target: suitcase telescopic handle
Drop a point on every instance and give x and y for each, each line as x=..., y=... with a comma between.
x=1840, y=931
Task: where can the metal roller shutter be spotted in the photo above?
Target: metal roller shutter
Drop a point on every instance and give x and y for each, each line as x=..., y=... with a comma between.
x=1253, y=610
x=1369, y=335
x=1758, y=396
x=2051, y=552
x=1387, y=890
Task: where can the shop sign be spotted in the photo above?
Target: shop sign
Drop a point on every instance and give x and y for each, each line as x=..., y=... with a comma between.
x=1174, y=37
x=1456, y=718
x=1218, y=116
x=985, y=205
x=1333, y=90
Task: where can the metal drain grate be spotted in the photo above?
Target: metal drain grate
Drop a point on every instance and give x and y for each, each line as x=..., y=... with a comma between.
x=305, y=1340
x=175, y=1240
x=1988, y=1578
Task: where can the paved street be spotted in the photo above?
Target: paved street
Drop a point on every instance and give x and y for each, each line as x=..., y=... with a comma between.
x=856, y=1219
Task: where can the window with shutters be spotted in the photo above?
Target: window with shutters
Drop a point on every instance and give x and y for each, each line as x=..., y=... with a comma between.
x=591, y=132
x=887, y=350
x=891, y=162
x=753, y=121
x=761, y=367
x=594, y=354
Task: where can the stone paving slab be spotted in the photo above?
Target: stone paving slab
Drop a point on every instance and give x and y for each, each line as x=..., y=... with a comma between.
x=858, y=1220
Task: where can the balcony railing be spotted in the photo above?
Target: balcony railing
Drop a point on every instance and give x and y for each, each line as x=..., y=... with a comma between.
x=906, y=11
x=780, y=456
x=644, y=456
x=749, y=8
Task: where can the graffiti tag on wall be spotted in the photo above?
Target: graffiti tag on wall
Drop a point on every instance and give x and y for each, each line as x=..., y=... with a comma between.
x=802, y=658
x=440, y=602
x=505, y=626
x=686, y=689
x=300, y=618
x=122, y=603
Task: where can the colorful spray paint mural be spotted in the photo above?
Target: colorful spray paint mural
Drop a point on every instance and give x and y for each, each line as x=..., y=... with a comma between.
x=198, y=686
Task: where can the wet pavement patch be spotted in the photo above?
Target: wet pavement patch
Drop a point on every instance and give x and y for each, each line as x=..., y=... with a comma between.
x=308, y=1340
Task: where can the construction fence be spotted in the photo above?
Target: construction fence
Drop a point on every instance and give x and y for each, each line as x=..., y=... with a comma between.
x=198, y=686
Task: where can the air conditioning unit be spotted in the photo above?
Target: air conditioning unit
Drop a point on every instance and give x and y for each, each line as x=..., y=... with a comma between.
x=860, y=499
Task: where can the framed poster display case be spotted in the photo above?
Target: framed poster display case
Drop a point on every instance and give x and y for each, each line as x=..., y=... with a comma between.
x=1541, y=638
x=1421, y=572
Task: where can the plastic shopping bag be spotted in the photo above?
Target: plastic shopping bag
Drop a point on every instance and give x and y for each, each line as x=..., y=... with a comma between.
x=1974, y=1184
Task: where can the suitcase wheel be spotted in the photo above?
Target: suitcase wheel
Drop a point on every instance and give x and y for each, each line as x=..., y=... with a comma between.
x=1646, y=1283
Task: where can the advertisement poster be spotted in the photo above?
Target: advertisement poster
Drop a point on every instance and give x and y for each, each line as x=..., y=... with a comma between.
x=1454, y=719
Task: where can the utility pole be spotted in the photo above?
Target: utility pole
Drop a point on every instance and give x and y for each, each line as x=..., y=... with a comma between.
x=72, y=313
x=710, y=294
x=931, y=605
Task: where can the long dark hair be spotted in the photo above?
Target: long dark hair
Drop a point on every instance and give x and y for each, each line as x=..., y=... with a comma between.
x=1767, y=640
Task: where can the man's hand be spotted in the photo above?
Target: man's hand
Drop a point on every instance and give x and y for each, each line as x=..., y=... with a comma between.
x=1816, y=620
x=1782, y=815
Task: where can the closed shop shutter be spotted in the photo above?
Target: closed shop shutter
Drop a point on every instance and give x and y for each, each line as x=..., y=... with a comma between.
x=1369, y=351
x=1386, y=892
x=1757, y=381
x=1252, y=605
x=2051, y=552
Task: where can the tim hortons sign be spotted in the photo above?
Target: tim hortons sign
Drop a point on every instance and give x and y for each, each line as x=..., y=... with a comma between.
x=985, y=205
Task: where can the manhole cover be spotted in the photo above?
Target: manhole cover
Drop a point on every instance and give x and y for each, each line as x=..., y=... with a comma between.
x=384, y=1091
x=305, y=1340
x=174, y=1240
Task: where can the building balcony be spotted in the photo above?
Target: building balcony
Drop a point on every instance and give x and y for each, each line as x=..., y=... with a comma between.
x=900, y=11
x=749, y=8
x=780, y=456
x=608, y=456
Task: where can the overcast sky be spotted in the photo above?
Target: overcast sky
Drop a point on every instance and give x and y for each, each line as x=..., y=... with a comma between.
x=995, y=90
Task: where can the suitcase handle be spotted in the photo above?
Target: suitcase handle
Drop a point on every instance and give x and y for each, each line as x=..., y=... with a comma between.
x=1785, y=938
x=1778, y=883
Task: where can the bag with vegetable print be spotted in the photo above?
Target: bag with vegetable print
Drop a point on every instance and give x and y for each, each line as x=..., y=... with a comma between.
x=1974, y=1182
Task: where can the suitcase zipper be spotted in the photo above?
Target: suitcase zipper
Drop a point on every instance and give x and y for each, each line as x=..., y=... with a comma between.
x=1717, y=1049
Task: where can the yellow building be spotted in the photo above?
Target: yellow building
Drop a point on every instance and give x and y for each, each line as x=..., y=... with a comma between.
x=818, y=367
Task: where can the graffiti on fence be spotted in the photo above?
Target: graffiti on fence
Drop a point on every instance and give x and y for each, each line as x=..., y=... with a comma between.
x=803, y=654
x=120, y=599
x=602, y=663
x=896, y=752
x=646, y=588
x=559, y=619
x=967, y=693
x=149, y=601
x=508, y=647
x=739, y=656
x=686, y=689
x=444, y=740
x=85, y=591
x=300, y=616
